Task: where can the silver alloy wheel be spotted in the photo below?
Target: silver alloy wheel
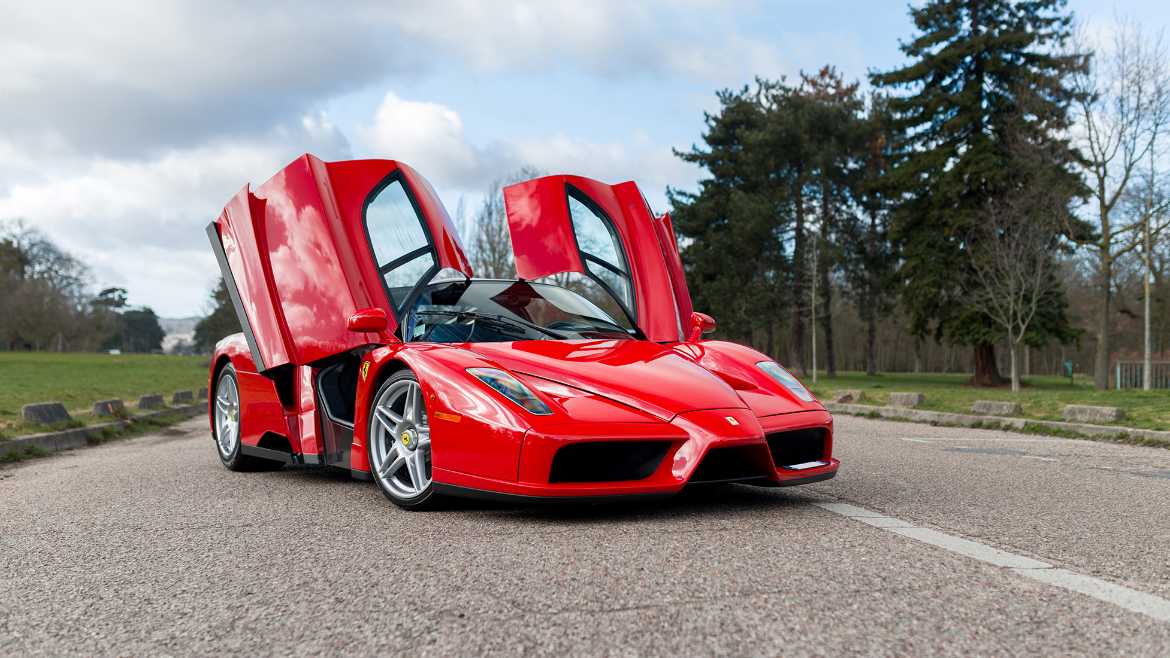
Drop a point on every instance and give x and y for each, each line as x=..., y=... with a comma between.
x=400, y=440
x=227, y=414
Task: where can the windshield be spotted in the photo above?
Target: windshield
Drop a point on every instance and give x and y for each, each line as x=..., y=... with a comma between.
x=504, y=311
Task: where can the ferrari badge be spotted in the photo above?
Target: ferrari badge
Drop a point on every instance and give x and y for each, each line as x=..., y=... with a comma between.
x=365, y=370
x=732, y=420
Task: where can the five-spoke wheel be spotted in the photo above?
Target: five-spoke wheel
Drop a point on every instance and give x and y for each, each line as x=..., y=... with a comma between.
x=227, y=413
x=399, y=442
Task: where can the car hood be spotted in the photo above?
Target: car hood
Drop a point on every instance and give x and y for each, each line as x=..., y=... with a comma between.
x=641, y=374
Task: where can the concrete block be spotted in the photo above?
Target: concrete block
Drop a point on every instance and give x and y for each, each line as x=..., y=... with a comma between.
x=184, y=396
x=905, y=400
x=1093, y=414
x=111, y=407
x=45, y=413
x=151, y=401
x=997, y=408
x=849, y=395
x=201, y=393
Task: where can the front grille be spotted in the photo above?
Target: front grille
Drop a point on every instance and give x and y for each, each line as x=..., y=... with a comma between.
x=607, y=461
x=797, y=446
x=730, y=465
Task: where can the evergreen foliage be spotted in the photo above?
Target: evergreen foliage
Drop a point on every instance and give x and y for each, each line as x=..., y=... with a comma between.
x=983, y=72
x=221, y=322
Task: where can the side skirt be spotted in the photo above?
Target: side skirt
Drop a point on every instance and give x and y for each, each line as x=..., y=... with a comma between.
x=520, y=499
x=278, y=455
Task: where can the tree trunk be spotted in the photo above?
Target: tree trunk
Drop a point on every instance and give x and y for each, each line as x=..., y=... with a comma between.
x=1101, y=376
x=827, y=306
x=871, y=342
x=770, y=336
x=986, y=371
x=796, y=353
x=1015, y=351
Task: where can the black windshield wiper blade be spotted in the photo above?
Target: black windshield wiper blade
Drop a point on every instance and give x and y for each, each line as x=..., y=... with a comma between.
x=494, y=317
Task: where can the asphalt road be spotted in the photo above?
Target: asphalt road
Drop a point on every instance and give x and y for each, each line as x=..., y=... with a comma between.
x=150, y=547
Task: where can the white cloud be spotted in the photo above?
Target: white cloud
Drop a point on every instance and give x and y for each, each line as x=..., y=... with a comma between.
x=430, y=138
x=427, y=136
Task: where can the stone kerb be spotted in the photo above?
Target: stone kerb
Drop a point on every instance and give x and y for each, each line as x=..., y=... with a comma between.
x=45, y=413
x=111, y=407
x=151, y=401
x=201, y=393
x=1092, y=414
x=993, y=408
x=849, y=395
x=184, y=396
x=905, y=400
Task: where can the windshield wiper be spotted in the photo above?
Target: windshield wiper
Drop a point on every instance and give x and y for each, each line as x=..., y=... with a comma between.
x=492, y=317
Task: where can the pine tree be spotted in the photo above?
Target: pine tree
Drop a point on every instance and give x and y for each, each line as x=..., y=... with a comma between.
x=982, y=72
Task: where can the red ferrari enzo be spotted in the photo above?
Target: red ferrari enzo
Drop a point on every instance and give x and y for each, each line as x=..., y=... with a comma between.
x=368, y=345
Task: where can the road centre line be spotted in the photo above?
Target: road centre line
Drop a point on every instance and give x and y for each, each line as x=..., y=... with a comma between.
x=1118, y=595
x=1043, y=459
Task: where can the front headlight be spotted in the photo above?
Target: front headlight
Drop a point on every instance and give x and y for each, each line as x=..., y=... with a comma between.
x=511, y=388
x=777, y=372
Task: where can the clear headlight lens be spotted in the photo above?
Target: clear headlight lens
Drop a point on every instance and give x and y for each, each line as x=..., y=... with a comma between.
x=511, y=388
x=777, y=372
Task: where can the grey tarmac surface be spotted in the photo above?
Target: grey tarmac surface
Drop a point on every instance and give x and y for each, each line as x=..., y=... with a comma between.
x=150, y=547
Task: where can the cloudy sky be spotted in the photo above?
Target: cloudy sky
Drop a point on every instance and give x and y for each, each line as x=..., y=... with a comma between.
x=126, y=125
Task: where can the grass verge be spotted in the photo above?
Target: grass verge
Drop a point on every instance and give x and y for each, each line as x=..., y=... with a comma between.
x=79, y=380
x=136, y=427
x=1043, y=398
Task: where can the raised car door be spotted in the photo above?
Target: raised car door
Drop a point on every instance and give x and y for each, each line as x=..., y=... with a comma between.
x=320, y=241
x=607, y=233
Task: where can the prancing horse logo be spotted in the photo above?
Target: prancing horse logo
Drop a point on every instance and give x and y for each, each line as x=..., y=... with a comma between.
x=732, y=420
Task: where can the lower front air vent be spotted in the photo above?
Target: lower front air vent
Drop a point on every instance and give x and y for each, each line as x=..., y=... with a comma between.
x=607, y=461
x=797, y=446
x=735, y=464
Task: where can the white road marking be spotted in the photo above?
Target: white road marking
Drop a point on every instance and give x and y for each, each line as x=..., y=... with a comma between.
x=1043, y=459
x=1118, y=595
x=975, y=438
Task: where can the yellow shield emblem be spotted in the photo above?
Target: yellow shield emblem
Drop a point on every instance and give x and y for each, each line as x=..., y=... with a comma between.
x=365, y=370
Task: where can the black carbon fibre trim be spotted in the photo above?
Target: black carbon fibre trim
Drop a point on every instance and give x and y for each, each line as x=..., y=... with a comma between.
x=519, y=499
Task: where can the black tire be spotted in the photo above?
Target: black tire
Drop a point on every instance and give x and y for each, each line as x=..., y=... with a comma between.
x=227, y=389
x=390, y=439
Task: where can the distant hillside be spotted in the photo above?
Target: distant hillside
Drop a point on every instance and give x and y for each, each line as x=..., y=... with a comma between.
x=178, y=325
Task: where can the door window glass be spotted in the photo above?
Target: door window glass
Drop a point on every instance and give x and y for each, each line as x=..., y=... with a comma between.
x=602, y=249
x=395, y=228
x=400, y=280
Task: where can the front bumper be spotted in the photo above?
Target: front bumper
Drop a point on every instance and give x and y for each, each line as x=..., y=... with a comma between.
x=734, y=438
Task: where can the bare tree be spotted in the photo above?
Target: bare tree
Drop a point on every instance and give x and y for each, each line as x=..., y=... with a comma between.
x=1014, y=245
x=1123, y=106
x=491, y=246
x=1014, y=270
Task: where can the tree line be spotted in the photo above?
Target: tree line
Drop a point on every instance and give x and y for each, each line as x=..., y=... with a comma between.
x=962, y=194
x=46, y=301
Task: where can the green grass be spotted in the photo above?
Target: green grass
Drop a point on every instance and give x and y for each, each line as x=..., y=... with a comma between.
x=78, y=380
x=1043, y=398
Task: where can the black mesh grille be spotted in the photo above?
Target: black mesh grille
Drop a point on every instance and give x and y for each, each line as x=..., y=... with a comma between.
x=797, y=446
x=729, y=465
x=607, y=461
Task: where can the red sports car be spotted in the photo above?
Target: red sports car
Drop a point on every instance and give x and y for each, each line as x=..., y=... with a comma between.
x=368, y=345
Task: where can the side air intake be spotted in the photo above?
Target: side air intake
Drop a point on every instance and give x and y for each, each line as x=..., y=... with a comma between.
x=607, y=461
x=797, y=446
